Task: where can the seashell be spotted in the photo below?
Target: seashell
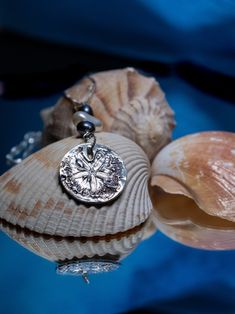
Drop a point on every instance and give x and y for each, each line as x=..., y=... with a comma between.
x=193, y=190
x=33, y=199
x=62, y=249
x=127, y=103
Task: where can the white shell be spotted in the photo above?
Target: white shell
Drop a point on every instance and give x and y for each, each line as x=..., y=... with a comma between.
x=32, y=197
x=127, y=103
x=62, y=249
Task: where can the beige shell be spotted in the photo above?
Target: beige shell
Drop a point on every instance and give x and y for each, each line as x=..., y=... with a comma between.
x=193, y=190
x=60, y=249
x=127, y=103
x=32, y=197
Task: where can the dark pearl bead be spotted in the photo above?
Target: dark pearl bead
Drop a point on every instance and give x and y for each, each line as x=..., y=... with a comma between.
x=86, y=108
x=84, y=127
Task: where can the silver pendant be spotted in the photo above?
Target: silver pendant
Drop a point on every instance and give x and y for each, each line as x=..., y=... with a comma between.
x=86, y=267
x=93, y=176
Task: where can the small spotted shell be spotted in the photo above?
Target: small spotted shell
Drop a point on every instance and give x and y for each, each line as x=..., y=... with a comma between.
x=193, y=190
x=127, y=103
x=32, y=197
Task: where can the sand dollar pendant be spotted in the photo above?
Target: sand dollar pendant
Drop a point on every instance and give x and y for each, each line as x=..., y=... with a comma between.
x=82, y=238
x=93, y=173
x=89, y=172
x=87, y=267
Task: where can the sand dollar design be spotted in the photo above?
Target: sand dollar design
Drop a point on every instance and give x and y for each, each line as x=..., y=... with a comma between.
x=99, y=179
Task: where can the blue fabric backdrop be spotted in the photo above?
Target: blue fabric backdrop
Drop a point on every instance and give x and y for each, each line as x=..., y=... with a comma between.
x=170, y=277
x=163, y=30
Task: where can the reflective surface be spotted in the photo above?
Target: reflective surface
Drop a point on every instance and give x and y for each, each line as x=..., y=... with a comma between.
x=160, y=273
x=87, y=266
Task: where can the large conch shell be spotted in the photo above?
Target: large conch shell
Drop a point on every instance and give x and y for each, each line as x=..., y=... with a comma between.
x=193, y=190
x=127, y=103
x=33, y=199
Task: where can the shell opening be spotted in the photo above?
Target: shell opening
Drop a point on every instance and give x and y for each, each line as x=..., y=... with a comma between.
x=178, y=216
x=177, y=209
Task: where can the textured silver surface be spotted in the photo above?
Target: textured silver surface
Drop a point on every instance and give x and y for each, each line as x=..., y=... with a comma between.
x=79, y=268
x=97, y=179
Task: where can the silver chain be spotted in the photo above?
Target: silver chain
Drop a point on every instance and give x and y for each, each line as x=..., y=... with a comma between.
x=19, y=152
x=32, y=140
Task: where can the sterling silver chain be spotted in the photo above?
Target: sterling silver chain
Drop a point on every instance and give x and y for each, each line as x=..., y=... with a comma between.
x=30, y=142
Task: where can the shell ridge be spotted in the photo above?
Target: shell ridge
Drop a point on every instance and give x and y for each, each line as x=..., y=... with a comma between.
x=139, y=187
x=49, y=210
x=139, y=175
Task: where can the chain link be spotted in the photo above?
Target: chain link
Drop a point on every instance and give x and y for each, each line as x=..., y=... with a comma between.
x=19, y=152
x=32, y=140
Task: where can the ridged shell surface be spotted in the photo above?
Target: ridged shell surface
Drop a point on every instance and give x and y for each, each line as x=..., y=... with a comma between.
x=127, y=103
x=32, y=197
x=61, y=249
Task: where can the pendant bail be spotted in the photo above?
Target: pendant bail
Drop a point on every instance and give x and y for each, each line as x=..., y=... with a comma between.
x=89, y=139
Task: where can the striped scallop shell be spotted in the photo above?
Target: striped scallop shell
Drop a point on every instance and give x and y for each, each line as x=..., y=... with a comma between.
x=61, y=249
x=32, y=197
x=127, y=103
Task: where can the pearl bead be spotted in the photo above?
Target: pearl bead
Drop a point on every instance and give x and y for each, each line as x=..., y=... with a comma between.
x=83, y=116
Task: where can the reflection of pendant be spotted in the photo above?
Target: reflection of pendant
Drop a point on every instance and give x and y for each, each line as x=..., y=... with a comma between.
x=86, y=267
x=98, y=177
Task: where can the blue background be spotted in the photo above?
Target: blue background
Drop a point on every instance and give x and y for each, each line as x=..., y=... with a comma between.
x=162, y=30
x=160, y=274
